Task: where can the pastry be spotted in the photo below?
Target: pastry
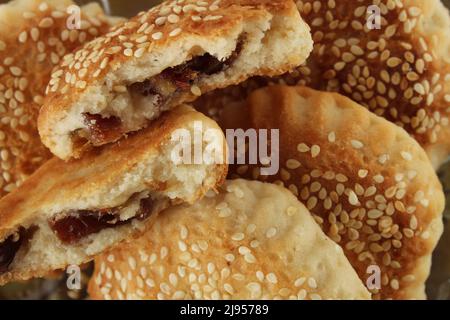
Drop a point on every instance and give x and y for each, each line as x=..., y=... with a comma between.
x=400, y=71
x=163, y=57
x=67, y=212
x=251, y=241
x=369, y=185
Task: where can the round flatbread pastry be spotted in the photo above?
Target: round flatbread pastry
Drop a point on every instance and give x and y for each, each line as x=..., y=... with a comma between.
x=34, y=36
x=250, y=241
x=369, y=185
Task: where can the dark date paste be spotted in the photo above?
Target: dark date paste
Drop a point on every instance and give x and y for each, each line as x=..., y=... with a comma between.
x=164, y=88
x=76, y=225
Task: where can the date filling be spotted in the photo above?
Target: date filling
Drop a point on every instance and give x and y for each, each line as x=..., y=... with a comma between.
x=73, y=226
x=163, y=88
x=12, y=244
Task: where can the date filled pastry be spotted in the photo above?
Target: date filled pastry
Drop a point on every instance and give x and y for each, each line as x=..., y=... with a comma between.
x=168, y=55
x=252, y=240
x=67, y=212
x=400, y=71
x=34, y=36
x=369, y=185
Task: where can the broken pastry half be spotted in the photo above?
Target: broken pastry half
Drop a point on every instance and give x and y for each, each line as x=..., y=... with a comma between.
x=168, y=55
x=67, y=212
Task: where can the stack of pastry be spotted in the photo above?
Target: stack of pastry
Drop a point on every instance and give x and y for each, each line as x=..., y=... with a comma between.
x=341, y=203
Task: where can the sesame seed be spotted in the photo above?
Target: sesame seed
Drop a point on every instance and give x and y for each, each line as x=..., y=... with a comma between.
x=229, y=257
x=272, y=278
x=271, y=232
x=128, y=52
x=249, y=258
x=196, y=91
x=160, y=21
x=157, y=36
x=244, y=250
x=332, y=137
x=292, y=164
x=139, y=52
x=312, y=283
x=406, y=155
x=374, y=214
x=315, y=150
x=357, y=144
x=303, y=148
x=238, y=236
x=23, y=36
x=353, y=198
x=363, y=173
x=175, y=32
x=173, y=18
x=46, y=23
x=299, y=282
x=15, y=71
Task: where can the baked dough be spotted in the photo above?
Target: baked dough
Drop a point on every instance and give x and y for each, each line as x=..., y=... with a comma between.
x=369, y=185
x=168, y=55
x=250, y=241
x=67, y=212
x=33, y=39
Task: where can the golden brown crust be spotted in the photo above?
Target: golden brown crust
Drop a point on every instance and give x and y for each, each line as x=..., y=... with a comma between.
x=370, y=186
x=33, y=39
x=110, y=61
x=106, y=177
x=250, y=241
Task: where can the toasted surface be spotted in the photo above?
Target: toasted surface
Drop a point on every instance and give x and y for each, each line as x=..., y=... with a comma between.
x=106, y=177
x=250, y=241
x=33, y=39
x=400, y=71
x=260, y=37
x=366, y=181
